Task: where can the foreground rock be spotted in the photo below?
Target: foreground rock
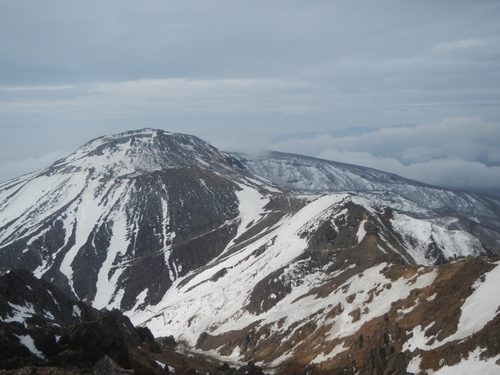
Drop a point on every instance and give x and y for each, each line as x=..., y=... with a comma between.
x=42, y=331
x=40, y=326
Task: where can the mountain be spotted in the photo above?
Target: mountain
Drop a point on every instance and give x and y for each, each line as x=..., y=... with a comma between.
x=42, y=331
x=144, y=206
x=455, y=210
x=299, y=264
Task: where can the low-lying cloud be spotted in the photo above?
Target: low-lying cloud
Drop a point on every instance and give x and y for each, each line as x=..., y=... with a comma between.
x=460, y=153
x=20, y=167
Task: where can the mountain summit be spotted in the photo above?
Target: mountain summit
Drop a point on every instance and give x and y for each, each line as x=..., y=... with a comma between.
x=111, y=210
x=143, y=151
x=281, y=259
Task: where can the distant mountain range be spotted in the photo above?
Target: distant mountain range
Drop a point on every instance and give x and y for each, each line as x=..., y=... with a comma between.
x=297, y=264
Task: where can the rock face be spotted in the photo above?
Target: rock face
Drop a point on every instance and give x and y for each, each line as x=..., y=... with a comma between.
x=40, y=326
x=298, y=264
x=42, y=331
x=123, y=215
x=336, y=306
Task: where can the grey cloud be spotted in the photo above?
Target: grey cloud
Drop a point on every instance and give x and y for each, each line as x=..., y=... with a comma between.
x=457, y=152
x=451, y=173
x=130, y=40
x=230, y=72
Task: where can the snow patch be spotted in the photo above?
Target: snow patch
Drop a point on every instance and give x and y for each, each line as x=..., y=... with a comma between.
x=322, y=357
x=472, y=365
x=479, y=308
x=77, y=313
x=28, y=342
x=20, y=313
x=361, y=233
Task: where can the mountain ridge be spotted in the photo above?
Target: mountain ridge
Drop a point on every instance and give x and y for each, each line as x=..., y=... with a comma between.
x=249, y=258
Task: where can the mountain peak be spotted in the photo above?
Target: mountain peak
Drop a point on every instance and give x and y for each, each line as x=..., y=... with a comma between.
x=142, y=151
x=327, y=266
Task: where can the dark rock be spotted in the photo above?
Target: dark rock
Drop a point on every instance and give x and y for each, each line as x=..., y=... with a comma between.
x=251, y=369
x=98, y=338
x=107, y=366
x=167, y=342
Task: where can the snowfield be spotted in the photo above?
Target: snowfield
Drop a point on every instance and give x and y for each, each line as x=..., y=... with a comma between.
x=274, y=250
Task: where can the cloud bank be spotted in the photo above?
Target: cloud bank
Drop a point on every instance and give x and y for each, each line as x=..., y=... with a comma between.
x=237, y=74
x=460, y=153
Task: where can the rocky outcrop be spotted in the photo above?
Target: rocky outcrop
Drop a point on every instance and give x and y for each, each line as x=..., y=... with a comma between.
x=41, y=326
x=42, y=331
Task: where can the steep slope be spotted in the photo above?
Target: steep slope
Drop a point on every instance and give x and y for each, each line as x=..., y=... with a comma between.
x=42, y=331
x=300, y=292
x=284, y=259
x=474, y=213
x=122, y=216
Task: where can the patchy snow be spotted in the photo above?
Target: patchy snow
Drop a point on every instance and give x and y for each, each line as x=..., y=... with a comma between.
x=53, y=298
x=234, y=358
x=28, y=342
x=414, y=365
x=201, y=305
x=210, y=303
x=48, y=315
x=418, y=338
x=251, y=208
x=479, y=308
x=140, y=299
x=161, y=364
x=265, y=184
x=359, y=286
x=472, y=365
x=322, y=357
x=420, y=234
x=361, y=233
x=110, y=272
x=77, y=313
x=21, y=313
x=89, y=215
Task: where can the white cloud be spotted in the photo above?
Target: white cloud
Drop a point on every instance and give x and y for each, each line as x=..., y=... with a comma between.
x=458, y=45
x=451, y=173
x=457, y=153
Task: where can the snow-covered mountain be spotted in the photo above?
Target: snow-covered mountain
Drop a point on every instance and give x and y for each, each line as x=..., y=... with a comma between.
x=455, y=210
x=144, y=206
x=281, y=259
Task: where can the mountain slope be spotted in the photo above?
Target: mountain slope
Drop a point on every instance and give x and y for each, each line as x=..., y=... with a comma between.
x=301, y=293
x=42, y=331
x=475, y=213
x=40, y=326
x=282, y=259
x=146, y=207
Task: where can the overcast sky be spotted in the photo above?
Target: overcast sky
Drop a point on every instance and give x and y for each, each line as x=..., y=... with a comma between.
x=237, y=74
